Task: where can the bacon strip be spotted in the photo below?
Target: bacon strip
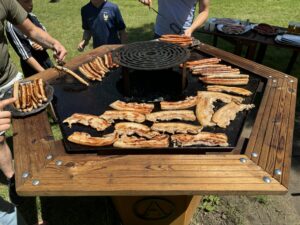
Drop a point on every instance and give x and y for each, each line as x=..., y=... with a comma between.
x=185, y=104
x=87, y=120
x=235, y=90
x=173, y=128
x=137, y=107
x=187, y=115
x=220, y=96
x=203, y=138
x=112, y=115
x=225, y=81
x=135, y=128
x=203, y=61
x=82, y=138
x=159, y=141
x=228, y=112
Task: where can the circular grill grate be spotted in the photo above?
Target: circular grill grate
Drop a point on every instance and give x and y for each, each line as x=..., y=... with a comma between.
x=151, y=55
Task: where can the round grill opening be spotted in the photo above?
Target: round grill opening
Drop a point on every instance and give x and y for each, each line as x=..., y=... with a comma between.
x=150, y=55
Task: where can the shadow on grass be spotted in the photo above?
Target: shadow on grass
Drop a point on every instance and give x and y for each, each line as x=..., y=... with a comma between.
x=70, y=211
x=143, y=33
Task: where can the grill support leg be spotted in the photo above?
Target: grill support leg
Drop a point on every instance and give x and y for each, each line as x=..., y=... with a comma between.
x=126, y=83
x=184, y=76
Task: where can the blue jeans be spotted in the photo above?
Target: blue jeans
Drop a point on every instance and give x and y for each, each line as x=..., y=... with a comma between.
x=9, y=214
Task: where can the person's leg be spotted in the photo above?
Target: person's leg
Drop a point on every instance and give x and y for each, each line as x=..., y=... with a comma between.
x=9, y=214
x=156, y=36
x=6, y=164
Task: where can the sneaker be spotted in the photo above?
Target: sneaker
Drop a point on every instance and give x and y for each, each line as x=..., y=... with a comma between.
x=13, y=196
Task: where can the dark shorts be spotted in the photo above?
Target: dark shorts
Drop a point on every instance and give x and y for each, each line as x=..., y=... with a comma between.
x=29, y=71
x=156, y=36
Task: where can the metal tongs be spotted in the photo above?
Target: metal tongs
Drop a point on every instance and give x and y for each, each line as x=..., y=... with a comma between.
x=173, y=26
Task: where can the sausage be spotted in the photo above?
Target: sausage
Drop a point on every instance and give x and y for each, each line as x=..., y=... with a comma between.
x=110, y=60
x=90, y=71
x=106, y=61
x=16, y=94
x=36, y=91
x=97, y=64
x=23, y=96
x=102, y=64
x=94, y=67
x=86, y=73
x=42, y=90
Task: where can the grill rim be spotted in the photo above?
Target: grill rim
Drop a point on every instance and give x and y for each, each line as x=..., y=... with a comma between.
x=176, y=62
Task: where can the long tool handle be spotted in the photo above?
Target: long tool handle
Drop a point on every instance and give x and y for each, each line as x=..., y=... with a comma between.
x=70, y=72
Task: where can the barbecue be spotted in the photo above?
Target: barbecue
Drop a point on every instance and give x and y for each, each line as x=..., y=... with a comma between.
x=150, y=95
x=258, y=142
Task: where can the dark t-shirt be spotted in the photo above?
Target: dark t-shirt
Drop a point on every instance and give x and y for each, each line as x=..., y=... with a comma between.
x=103, y=22
x=23, y=47
x=12, y=11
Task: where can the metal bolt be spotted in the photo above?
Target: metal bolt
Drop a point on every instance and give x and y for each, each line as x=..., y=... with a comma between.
x=58, y=162
x=49, y=157
x=292, y=81
x=274, y=81
x=291, y=90
x=254, y=155
x=267, y=179
x=286, y=76
x=278, y=172
x=35, y=182
x=270, y=76
x=243, y=160
x=25, y=175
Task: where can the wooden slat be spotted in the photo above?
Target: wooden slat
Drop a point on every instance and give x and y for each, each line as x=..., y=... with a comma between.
x=273, y=95
x=269, y=150
x=33, y=140
x=289, y=140
x=283, y=138
x=115, y=178
x=267, y=137
x=280, y=129
x=46, y=189
x=259, y=118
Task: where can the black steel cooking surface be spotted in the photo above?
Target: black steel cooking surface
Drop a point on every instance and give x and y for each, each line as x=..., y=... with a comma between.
x=72, y=97
x=150, y=55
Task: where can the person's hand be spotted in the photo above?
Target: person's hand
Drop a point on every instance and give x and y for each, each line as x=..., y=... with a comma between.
x=188, y=32
x=81, y=46
x=5, y=116
x=59, y=51
x=36, y=46
x=146, y=2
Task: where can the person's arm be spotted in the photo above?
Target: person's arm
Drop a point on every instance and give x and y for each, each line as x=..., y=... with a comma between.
x=6, y=164
x=200, y=19
x=22, y=47
x=120, y=25
x=85, y=40
x=43, y=38
x=123, y=36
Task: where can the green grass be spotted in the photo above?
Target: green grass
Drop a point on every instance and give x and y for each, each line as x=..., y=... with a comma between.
x=63, y=22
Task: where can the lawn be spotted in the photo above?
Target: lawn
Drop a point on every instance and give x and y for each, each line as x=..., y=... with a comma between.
x=63, y=21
